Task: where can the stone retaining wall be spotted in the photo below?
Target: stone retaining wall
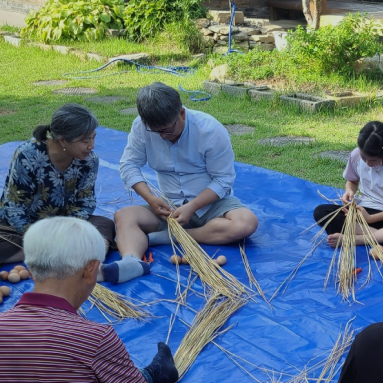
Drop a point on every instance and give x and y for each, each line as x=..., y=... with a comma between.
x=245, y=36
x=21, y=6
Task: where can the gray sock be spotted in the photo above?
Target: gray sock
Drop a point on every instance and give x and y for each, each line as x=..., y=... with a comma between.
x=160, y=238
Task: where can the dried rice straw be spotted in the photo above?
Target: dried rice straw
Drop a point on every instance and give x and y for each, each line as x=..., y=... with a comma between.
x=370, y=241
x=5, y=238
x=316, y=240
x=114, y=306
x=204, y=329
x=345, y=270
x=345, y=274
x=8, y=228
x=197, y=293
x=328, y=365
x=252, y=279
x=211, y=274
x=291, y=276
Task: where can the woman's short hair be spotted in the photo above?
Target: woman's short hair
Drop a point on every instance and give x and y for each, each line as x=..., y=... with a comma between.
x=370, y=139
x=71, y=121
x=158, y=105
x=58, y=247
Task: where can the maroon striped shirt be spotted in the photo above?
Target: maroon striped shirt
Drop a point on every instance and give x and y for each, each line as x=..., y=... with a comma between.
x=43, y=339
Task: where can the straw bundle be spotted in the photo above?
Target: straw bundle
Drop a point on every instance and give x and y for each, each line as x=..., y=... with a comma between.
x=345, y=261
x=204, y=329
x=211, y=274
x=347, y=256
x=345, y=271
x=114, y=306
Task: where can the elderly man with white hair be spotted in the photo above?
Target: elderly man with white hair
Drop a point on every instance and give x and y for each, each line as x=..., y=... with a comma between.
x=43, y=339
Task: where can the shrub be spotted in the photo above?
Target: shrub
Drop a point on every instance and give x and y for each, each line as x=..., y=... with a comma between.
x=182, y=36
x=145, y=18
x=74, y=20
x=334, y=49
x=254, y=65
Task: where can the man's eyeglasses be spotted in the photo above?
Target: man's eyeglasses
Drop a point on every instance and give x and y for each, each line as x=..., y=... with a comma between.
x=167, y=131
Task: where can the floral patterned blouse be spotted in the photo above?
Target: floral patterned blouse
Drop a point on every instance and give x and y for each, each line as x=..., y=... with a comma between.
x=35, y=189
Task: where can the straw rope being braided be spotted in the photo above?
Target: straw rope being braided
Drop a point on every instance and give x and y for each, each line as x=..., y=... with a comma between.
x=209, y=272
x=344, y=256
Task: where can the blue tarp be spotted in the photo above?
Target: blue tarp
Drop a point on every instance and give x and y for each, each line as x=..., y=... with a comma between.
x=305, y=320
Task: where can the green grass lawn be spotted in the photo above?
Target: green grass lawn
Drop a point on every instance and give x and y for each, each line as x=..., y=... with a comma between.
x=24, y=105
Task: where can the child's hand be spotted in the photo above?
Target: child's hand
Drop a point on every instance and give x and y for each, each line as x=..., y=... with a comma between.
x=347, y=197
x=366, y=216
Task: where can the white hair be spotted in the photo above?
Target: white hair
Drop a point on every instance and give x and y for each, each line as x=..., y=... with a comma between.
x=58, y=247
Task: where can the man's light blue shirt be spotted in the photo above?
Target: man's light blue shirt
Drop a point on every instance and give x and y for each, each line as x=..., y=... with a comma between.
x=201, y=158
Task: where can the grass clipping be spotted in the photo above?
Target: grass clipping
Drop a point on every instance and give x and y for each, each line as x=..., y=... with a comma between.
x=210, y=273
x=113, y=306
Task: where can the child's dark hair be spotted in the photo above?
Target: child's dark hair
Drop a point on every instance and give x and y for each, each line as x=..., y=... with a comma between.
x=370, y=139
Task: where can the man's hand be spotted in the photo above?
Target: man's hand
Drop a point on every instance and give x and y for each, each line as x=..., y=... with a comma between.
x=183, y=213
x=160, y=207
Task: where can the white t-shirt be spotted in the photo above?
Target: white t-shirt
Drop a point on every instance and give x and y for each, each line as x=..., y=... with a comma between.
x=370, y=180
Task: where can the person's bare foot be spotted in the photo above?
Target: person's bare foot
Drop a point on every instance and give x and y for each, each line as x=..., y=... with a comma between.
x=375, y=253
x=334, y=239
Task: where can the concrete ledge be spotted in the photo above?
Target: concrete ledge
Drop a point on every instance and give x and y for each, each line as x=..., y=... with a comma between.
x=307, y=102
x=212, y=87
x=262, y=93
x=348, y=98
x=235, y=90
x=16, y=41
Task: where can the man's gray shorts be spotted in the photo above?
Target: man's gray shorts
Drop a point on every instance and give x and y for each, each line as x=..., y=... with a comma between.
x=217, y=209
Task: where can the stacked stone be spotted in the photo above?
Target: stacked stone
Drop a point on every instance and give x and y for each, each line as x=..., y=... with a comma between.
x=244, y=37
x=21, y=6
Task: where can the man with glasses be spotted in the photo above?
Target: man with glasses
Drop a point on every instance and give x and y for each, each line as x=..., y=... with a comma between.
x=192, y=156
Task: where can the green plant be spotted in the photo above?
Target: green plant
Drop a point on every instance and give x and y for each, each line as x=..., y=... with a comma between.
x=74, y=20
x=145, y=18
x=190, y=9
x=254, y=65
x=335, y=48
x=8, y=28
x=182, y=36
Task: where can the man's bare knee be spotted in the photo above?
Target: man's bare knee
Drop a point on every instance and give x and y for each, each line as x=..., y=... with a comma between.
x=127, y=215
x=244, y=227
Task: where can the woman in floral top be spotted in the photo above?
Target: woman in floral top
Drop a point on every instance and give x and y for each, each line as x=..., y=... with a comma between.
x=53, y=174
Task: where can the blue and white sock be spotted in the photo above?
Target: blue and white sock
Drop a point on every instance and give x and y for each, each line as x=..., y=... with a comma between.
x=128, y=268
